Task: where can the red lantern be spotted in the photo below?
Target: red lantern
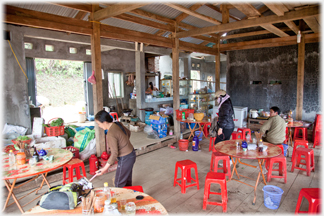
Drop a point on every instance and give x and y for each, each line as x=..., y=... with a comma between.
x=94, y=164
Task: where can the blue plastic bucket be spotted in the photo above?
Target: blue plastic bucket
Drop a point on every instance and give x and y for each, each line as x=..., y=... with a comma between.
x=199, y=136
x=272, y=196
x=285, y=146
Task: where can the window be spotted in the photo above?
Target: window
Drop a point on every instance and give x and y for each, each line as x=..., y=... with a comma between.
x=28, y=46
x=88, y=52
x=49, y=48
x=116, y=84
x=195, y=75
x=73, y=50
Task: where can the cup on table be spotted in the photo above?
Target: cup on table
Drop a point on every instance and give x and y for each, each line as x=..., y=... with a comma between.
x=123, y=204
x=130, y=208
x=86, y=206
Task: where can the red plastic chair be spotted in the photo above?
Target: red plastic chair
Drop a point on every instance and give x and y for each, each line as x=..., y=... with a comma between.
x=308, y=157
x=317, y=130
x=114, y=115
x=302, y=136
x=313, y=197
x=297, y=143
x=215, y=178
x=135, y=188
x=236, y=135
x=217, y=156
x=73, y=164
x=206, y=128
x=244, y=132
x=185, y=166
x=281, y=160
x=211, y=143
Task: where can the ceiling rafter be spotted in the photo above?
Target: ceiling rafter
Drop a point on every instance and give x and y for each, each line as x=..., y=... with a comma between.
x=185, y=15
x=115, y=10
x=280, y=9
x=218, y=10
x=289, y=16
x=252, y=12
x=193, y=13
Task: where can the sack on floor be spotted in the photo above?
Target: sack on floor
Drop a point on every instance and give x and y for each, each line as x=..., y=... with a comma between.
x=83, y=137
x=89, y=150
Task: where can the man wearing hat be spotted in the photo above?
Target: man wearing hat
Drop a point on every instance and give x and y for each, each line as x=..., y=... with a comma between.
x=225, y=123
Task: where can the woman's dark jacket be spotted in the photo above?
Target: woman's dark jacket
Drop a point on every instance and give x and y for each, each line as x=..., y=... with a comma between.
x=225, y=115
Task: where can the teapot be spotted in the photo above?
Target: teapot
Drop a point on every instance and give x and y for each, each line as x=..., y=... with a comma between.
x=42, y=152
x=254, y=113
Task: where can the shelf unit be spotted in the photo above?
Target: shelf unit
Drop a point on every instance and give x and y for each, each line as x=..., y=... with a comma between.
x=166, y=86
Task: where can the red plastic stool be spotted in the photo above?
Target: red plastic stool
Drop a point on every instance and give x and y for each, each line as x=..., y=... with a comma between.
x=217, y=178
x=206, y=129
x=185, y=166
x=217, y=156
x=309, y=158
x=114, y=115
x=236, y=135
x=281, y=160
x=74, y=163
x=287, y=136
x=244, y=132
x=303, y=135
x=135, y=188
x=212, y=143
x=296, y=144
x=313, y=197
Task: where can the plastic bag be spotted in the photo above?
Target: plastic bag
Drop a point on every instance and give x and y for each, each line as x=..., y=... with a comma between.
x=92, y=78
x=153, y=135
x=12, y=129
x=148, y=129
x=83, y=137
x=89, y=150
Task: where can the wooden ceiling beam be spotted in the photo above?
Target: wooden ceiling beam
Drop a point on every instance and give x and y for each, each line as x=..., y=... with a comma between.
x=193, y=13
x=80, y=15
x=289, y=16
x=185, y=15
x=153, y=16
x=280, y=9
x=254, y=33
x=273, y=29
x=115, y=10
x=313, y=24
x=79, y=7
x=218, y=10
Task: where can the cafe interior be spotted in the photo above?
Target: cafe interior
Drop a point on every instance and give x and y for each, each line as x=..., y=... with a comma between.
x=217, y=103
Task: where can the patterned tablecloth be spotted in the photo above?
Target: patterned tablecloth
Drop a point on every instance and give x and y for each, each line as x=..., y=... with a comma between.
x=228, y=147
x=148, y=205
x=296, y=124
x=61, y=156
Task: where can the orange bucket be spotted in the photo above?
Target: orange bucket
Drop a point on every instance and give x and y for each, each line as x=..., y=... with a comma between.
x=183, y=144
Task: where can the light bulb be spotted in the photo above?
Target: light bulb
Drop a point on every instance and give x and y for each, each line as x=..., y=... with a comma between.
x=298, y=37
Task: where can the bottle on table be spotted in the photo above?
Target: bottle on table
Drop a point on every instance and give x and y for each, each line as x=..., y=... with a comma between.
x=248, y=138
x=12, y=158
x=107, y=191
x=35, y=154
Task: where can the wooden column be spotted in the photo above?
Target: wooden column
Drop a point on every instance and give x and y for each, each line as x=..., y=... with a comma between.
x=175, y=79
x=140, y=81
x=217, y=64
x=97, y=88
x=300, y=78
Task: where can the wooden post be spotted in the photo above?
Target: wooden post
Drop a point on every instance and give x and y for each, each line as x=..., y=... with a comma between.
x=217, y=64
x=140, y=81
x=300, y=78
x=97, y=88
x=175, y=79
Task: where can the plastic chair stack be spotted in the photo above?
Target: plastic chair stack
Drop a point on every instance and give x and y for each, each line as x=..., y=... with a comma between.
x=215, y=178
x=297, y=143
x=185, y=167
x=317, y=130
x=298, y=135
x=308, y=158
x=217, y=156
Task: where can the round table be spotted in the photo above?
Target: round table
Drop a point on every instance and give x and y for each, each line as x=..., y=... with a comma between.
x=148, y=205
x=61, y=157
x=229, y=148
x=201, y=125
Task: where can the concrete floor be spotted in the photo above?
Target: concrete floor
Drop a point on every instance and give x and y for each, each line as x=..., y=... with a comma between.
x=155, y=172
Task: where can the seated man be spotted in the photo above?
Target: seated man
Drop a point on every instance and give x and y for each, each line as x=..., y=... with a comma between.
x=274, y=128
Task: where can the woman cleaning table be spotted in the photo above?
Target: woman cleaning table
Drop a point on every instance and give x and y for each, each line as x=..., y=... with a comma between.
x=121, y=149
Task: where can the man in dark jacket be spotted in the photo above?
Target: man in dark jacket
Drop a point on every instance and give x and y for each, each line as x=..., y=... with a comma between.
x=225, y=116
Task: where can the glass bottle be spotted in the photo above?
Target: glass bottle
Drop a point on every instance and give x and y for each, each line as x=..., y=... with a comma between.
x=35, y=154
x=12, y=158
x=107, y=191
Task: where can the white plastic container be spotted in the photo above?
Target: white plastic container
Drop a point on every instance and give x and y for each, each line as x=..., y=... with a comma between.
x=241, y=114
x=82, y=117
x=49, y=142
x=38, y=128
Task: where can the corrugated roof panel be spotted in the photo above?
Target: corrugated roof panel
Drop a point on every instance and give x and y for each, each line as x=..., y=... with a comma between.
x=128, y=25
x=158, y=21
x=207, y=11
x=47, y=8
x=162, y=10
x=191, y=40
x=194, y=21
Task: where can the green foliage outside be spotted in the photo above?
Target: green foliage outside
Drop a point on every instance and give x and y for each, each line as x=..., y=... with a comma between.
x=59, y=67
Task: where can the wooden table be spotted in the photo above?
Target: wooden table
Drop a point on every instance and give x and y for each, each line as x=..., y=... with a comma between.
x=148, y=205
x=61, y=157
x=228, y=147
x=192, y=130
x=290, y=131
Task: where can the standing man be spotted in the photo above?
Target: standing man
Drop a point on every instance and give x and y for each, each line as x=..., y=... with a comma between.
x=274, y=128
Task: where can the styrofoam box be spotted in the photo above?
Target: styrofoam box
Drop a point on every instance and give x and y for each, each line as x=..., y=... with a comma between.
x=38, y=128
x=49, y=142
x=241, y=114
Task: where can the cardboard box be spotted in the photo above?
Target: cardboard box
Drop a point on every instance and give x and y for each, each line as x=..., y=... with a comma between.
x=38, y=128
